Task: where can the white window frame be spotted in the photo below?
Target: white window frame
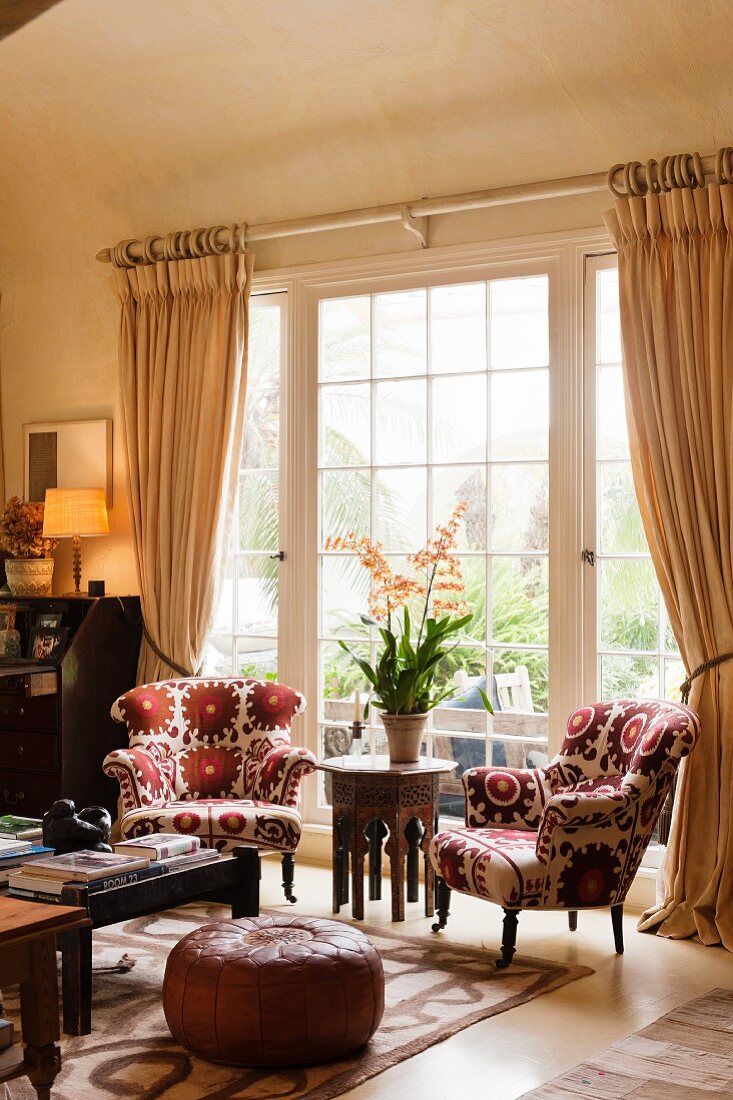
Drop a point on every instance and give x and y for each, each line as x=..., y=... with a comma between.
x=562, y=256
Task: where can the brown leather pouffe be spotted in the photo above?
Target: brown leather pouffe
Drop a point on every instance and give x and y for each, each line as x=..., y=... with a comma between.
x=273, y=991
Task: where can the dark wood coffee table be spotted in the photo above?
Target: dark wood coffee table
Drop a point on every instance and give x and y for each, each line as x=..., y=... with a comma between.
x=234, y=880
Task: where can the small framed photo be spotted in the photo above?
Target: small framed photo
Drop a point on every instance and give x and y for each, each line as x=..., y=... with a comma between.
x=7, y=615
x=47, y=619
x=47, y=643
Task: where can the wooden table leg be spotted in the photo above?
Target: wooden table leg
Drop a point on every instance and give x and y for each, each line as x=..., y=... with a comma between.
x=359, y=847
x=413, y=835
x=246, y=891
x=76, y=980
x=39, y=1015
x=376, y=832
x=341, y=834
x=428, y=834
x=396, y=849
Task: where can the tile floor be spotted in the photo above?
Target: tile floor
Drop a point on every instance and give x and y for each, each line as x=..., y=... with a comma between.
x=504, y=1057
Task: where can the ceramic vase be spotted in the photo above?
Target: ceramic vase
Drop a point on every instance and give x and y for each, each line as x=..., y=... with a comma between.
x=29, y=576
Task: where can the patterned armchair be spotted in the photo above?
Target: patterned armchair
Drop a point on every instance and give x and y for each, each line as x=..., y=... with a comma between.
x=212, y=758
x=570, y=835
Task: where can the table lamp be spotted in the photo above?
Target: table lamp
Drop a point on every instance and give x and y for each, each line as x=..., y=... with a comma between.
x=75, y=514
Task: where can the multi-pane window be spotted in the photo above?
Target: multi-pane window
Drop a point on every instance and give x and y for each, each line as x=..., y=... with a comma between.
x=427, y=397
x=245, y=638
x=632, y=649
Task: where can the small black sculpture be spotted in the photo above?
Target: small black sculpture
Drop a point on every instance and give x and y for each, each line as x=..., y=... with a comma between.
x=67, y=831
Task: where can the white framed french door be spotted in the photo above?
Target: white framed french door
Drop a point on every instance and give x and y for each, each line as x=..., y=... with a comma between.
x=630, y=650
x=245, y=639
x=426, y=392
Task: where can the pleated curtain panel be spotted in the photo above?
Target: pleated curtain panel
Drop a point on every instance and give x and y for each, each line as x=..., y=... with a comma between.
x=183, y=371
x=674, y=236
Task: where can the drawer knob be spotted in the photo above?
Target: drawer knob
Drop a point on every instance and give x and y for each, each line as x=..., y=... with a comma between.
x=20, y=750
x=13, y=799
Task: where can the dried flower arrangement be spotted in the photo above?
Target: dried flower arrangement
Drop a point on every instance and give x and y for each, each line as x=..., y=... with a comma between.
x=21, y=530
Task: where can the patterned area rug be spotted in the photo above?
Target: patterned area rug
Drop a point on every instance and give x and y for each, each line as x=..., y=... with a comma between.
x=433, y=990
x=685, y=1055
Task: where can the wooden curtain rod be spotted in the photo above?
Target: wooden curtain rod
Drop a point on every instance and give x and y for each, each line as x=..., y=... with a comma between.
x=681, y=170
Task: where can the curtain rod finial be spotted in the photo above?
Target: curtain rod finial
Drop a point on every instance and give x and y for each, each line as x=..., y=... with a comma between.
x=104, y=256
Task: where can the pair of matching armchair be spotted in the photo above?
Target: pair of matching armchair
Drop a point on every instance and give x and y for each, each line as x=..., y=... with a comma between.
x=570, y=835
x=212, y=758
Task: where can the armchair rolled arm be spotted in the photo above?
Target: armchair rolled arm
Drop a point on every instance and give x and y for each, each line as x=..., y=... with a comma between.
x=143, y=782
x=586, y=808
x=279, y=774
x=508, y=798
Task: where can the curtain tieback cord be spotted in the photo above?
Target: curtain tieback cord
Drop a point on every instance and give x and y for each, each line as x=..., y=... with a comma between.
x=165, y=658
x=686, y=685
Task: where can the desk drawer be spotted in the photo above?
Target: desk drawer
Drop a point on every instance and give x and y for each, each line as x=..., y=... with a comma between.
x=22, y=712
x=29, y=750
x=27, y=793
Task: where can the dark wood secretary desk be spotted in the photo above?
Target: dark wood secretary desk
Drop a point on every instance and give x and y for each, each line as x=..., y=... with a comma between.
x=52, y=745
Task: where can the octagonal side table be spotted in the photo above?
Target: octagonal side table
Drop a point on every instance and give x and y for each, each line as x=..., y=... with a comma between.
x=376, y=803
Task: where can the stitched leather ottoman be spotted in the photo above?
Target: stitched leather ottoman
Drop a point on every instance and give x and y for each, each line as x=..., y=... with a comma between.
x=273, y=991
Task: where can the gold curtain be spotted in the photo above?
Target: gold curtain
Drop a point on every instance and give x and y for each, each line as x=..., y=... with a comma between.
x=183, y=371
x=675, y=254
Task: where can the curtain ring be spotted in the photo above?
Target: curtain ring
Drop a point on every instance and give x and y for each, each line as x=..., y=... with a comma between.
x=676, y=168
x=148, y=252
x=666, y=173
x=650, y=177
x=687, y=180
x=698, y=169
x=242, y=234
x=728, y=172
x=122, y=254
x=661, y=174
x=214, y=247
x=195, y=243
x=610, y=181
x=232, y=242
x=631, y=182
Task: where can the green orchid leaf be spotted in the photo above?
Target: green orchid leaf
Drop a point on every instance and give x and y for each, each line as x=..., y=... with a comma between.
x=485, y=700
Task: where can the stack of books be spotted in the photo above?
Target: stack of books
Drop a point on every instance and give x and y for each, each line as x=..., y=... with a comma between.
x=20, y=828
x=132, y=861
x=15, y=853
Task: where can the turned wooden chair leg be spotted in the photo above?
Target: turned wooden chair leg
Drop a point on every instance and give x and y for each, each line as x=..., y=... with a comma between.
x=617, y=919
x=288, y=866
x=509, y=938
x=573, y=920
x=442, y=903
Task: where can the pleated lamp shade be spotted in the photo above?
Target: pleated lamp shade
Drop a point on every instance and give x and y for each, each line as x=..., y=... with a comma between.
x=76, y=514
x=71, y=512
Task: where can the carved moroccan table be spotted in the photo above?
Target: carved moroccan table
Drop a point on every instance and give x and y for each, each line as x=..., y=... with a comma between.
x=378, y=803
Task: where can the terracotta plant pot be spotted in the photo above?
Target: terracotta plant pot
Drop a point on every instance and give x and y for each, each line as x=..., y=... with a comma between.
x=29, y=576
x=405, y=733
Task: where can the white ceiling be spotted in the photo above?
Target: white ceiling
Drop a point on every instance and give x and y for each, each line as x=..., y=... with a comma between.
x=303, y=106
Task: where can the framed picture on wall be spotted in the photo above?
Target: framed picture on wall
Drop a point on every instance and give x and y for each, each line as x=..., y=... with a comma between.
x=72, y=454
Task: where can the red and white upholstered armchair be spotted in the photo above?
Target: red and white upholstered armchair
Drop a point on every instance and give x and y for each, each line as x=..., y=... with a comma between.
x=570, y=835
x=212, y=758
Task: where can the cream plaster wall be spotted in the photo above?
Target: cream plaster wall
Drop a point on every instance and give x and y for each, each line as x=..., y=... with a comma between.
x=119, y=120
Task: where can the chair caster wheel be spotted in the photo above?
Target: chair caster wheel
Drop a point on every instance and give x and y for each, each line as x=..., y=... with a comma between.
x=292, y=899
x=437, y=927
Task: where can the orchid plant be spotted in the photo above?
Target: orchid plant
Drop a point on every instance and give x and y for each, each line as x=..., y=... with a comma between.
x=404, y=673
